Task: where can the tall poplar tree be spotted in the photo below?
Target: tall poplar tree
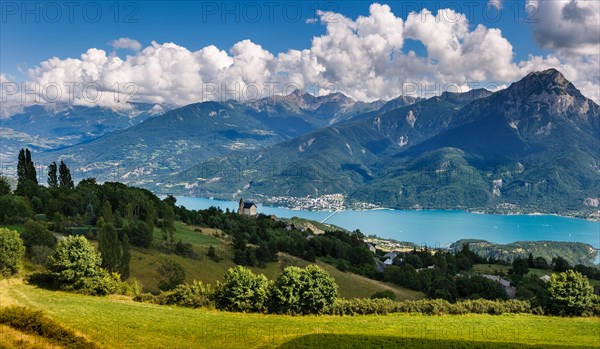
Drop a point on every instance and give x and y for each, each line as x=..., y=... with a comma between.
x=109, y=247
x=64, y=176
x=52, y=175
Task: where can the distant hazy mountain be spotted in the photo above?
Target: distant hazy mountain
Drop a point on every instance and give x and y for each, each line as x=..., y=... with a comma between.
x=185, y=136
x=533, y=146
x=54, y=126
x=83, y=123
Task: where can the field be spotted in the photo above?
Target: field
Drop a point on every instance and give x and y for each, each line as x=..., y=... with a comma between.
x=491, y=268
x=116, y=322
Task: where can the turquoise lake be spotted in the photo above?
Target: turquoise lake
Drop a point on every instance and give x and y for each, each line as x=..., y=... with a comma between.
x=437, y=228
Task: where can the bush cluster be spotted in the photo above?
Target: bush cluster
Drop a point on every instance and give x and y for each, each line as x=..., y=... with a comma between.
x=382, y=306
x=296, y=291
x=242, y=291
x=196, y=295
x=302, y=291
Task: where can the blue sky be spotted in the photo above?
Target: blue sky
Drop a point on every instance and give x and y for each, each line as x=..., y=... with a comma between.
x=367, y=50
x=34, y=32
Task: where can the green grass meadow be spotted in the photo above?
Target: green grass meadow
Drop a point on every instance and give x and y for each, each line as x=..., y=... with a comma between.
x=117, y=322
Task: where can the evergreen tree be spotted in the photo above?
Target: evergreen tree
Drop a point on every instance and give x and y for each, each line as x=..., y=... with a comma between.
x=530, y=262
x=52, y=175
x=64, y=176
x=30, y=167
x=169, y=224
x=125, y=257
x=109, y=247
x=21, y=170
x=26, y=174
x=106, y=212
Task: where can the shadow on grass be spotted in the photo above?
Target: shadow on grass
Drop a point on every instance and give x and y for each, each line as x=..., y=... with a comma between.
x=331, y=341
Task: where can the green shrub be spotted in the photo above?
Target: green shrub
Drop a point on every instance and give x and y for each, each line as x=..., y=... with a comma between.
x=302, y=291
x=242, y=290
x=185, y=250
x=363, y=306
x=73, y=260
x=570, y=294
x=140, y=234
x=75, y=266
x=195, y=295
x=98, y=285
x=147, y=298
x=11, y=252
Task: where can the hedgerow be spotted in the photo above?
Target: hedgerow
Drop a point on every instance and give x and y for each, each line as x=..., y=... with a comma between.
x=427, y=306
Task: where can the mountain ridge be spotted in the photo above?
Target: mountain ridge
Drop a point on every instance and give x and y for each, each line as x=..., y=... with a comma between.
x=495, y=152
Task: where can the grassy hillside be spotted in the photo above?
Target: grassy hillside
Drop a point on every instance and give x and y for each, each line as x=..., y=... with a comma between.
x=115, y=322
x=145, y=263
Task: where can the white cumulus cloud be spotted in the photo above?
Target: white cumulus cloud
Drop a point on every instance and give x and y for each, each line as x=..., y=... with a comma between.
x=365, y=58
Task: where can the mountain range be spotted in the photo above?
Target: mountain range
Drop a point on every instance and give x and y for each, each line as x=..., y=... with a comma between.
x=534, y=146
x=55, y=126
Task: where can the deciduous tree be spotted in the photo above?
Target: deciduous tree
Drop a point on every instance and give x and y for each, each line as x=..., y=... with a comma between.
x=303, y=291
x=242, y=290
x=11, y=252
x=570, y=293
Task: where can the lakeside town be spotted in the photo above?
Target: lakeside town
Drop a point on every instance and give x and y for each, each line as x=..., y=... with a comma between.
x=329, y=202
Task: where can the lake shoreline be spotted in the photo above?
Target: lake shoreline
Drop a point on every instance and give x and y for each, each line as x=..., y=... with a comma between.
x=476, y=211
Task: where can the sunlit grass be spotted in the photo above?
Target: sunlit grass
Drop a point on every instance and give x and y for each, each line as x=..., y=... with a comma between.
x=119, y=323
